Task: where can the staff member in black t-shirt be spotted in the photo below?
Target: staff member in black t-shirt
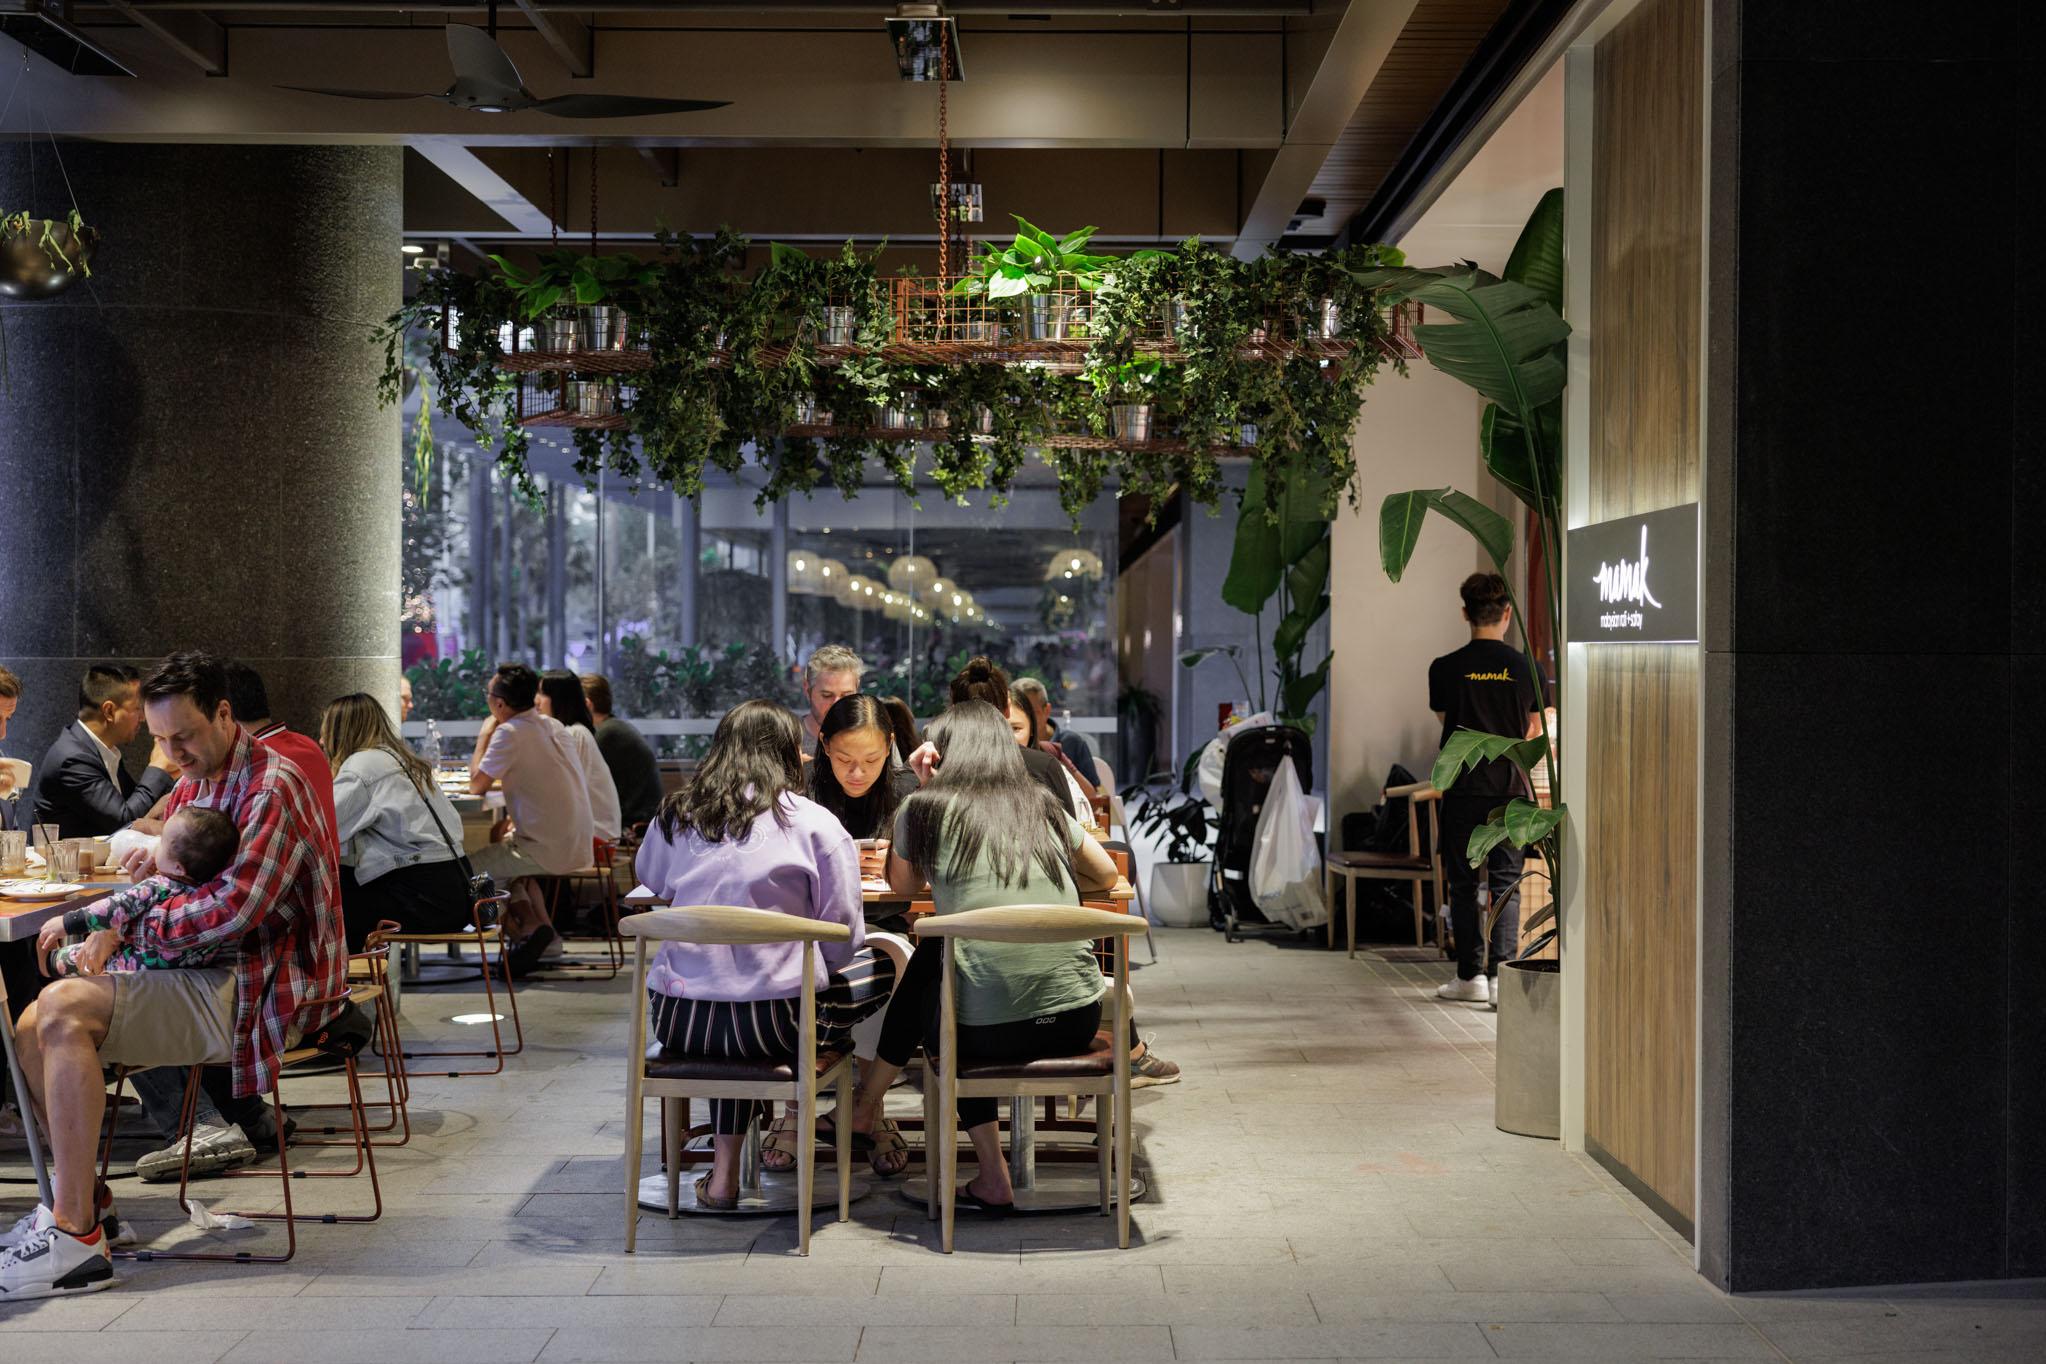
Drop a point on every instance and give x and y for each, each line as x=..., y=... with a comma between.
x=1486, y=685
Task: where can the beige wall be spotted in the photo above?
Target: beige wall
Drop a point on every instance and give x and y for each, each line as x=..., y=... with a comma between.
x=1418, y=432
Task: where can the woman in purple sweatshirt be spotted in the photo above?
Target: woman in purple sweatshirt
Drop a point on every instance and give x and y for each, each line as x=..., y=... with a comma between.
x=740, y=834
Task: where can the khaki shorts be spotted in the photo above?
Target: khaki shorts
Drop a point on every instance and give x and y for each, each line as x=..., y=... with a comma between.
x=171, y=1018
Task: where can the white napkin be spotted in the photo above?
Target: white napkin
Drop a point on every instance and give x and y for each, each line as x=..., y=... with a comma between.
x=206, y=1220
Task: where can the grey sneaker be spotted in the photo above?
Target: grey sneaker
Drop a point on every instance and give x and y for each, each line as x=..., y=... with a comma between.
x=1152, y=1069
x=213, y=1148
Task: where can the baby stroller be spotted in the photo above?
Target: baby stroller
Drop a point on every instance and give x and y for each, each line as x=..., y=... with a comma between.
x=1252, y=760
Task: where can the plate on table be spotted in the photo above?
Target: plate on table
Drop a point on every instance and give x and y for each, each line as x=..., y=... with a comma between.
x=38, y=890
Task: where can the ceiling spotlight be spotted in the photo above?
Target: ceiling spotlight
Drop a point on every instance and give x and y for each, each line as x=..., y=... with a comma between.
x=413, y=249
x=919, y=35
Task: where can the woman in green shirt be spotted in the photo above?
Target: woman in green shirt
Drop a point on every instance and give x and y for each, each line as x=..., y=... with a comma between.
x=982, y=833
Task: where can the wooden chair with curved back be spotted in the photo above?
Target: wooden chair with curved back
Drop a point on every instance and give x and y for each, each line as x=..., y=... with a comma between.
x=674, y=1079
x=483, y=930
x=1103, y=1071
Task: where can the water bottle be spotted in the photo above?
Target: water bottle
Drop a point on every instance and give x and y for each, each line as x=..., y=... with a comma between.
x=432, y=746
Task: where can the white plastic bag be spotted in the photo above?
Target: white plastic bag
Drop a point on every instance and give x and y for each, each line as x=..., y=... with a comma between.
x=1285, y=869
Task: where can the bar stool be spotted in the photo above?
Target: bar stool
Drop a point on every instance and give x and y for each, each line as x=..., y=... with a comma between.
x=602, y=873
x=675, y=1079
x=324, y=1042
x=483, y=930
x=373, y=968
x=1103, y=1071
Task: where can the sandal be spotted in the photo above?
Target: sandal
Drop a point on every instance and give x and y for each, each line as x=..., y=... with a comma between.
x=886, y=1152
x=778, y=1148
x=704, y=1199
x=966, y=1197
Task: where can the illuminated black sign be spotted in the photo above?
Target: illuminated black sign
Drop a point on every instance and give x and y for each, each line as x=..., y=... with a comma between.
x=1635, y=580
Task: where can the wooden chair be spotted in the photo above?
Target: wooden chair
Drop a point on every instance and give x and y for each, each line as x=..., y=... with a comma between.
x=1413, y=866
x=1103, y=1071
x=675, y=1079
x=483, y=930
x=322, y=1045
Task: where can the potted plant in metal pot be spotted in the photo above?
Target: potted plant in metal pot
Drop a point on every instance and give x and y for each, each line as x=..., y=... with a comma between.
x=1505, y=337
x=1051, y=274
x=581, y=301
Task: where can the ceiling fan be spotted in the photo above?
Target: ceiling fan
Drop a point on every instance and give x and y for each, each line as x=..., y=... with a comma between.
x=486, y=82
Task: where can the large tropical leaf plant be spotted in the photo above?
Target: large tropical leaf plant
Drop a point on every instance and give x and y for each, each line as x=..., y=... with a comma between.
x=1505, y=338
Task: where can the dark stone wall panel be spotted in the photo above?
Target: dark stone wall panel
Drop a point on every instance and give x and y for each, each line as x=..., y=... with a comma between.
x=1866, y=1071
x=1875, y=30
x=1852, y=395
x=210, y=466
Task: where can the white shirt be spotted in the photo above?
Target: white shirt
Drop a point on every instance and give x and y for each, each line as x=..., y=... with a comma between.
x=604, y=812
x=545, y=791
x=110, y=756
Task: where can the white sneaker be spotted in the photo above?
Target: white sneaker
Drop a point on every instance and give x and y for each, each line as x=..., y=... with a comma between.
x=117, y=1232
x=49, y=1263
x=1492, y=993
x=1471, y=991
x=213, y=1148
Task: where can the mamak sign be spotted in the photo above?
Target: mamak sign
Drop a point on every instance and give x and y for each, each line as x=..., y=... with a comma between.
x=1635, y=580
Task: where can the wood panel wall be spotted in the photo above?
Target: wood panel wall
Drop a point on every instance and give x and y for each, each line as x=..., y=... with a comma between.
x=1641, y=702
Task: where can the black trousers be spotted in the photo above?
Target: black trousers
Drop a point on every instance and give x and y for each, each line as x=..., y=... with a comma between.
x=769, y=1029
x=913, y=1017
x=1500, y=874
x=426, y=897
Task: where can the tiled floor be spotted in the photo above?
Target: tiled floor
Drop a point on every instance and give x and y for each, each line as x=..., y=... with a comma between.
x=1327, y=1184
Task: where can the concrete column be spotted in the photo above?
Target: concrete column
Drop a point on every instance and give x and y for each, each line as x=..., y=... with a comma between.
x=193, y=454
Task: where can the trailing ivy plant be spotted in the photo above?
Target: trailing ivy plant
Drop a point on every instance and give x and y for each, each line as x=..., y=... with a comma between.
x=733, y=363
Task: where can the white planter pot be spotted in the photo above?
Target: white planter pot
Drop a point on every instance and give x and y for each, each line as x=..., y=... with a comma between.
x=1528, y=1064
x=1179, y=894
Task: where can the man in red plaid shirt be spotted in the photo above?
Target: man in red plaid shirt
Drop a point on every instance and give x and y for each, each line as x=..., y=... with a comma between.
x=277, y=909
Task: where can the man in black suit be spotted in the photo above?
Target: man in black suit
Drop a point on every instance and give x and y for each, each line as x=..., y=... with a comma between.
x=83, y=788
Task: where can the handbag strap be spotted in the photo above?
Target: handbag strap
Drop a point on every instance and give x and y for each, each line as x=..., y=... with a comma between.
x=460, y=857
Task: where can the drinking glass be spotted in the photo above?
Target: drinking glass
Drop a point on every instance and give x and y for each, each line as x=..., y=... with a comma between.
x=63, y=858
x=44, y=836
x=13, y=851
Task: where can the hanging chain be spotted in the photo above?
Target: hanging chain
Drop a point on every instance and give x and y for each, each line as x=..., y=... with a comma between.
x=593, y=198
x=553, y=209
x=944, y=161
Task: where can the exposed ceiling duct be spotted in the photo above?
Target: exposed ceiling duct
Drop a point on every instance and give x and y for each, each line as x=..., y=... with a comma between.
x=42, y=31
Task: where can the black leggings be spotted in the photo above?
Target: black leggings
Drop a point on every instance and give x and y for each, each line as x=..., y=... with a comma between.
x=913, y=1017
x=426, y=897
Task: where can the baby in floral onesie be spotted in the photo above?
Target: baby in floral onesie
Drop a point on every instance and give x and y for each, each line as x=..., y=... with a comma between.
x=197, y=845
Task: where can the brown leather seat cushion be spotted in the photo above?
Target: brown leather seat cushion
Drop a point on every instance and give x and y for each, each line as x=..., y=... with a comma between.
x=1390, y=861
x=1091, y=1065
x=717, y=1069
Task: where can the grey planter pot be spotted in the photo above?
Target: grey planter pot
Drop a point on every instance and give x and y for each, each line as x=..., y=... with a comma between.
x=1053, y=317
x=559, y=332
x=1131, y=421
x=591, y=397
x=840, y=325
x=604, y=327
x=1528, y=1064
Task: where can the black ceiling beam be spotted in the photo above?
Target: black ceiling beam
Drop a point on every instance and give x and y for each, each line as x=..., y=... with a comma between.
x=1501, y=54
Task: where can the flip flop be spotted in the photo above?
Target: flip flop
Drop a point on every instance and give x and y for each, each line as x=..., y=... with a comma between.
x=965, y=1196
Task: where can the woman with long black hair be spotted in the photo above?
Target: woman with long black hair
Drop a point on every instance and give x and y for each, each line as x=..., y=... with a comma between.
x=561, y=696
x=982, y=833
x=856, y=775
x=742, y=833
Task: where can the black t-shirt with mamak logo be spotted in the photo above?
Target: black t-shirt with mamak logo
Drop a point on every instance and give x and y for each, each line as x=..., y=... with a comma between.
x=1486, y=685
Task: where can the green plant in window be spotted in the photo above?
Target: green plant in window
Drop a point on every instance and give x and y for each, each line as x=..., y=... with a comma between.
x=563, y=276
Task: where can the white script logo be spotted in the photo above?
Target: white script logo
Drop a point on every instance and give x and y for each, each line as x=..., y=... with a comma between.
x=1626, y=583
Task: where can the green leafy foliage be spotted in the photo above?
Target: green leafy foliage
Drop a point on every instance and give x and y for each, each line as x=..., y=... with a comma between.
x=734, y=360
x=1035, y=262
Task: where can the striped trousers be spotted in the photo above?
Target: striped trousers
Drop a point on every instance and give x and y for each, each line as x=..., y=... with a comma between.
x=769, y=1029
